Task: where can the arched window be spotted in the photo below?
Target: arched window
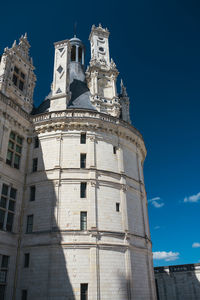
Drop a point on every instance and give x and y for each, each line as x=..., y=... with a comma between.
x=73, y=53
x=79, y=54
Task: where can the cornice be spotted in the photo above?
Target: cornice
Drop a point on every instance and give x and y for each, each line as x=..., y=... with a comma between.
x=82, y=119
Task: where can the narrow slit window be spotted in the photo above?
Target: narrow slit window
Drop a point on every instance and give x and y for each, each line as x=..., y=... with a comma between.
x=83, y=138
x=35, y=164
x=29, y=224
x=117, y=206
x=36, y=142
x=83, y=160
x=26, y=260
x=73, y=53
x=83, y=189
x=24, y=295
x=32, y=193
x=114, y=149
x=83, y=220
x=79, y=54
x=84, y=291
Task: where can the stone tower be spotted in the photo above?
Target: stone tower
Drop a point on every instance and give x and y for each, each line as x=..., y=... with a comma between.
x=79, y=227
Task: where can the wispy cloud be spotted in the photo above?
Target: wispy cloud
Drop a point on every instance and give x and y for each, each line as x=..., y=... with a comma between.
x=167, y=256
x=157, y=227
x=157, y=202
x=193, y=198
x=196, y=245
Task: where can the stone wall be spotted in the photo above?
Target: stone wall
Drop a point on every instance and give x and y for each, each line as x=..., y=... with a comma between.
x=181, y=282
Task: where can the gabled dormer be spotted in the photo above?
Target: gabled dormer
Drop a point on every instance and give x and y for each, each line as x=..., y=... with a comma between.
x=17, y=78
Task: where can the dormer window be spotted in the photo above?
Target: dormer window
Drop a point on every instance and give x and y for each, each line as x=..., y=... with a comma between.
x=18, y=78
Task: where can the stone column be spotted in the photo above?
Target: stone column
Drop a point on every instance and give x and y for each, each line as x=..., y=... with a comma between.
x=93, y=205
x=83, y=56
x=114, y=86
x=129, y=275
x=124, y=205
x=94, y=273
x=120, y=159
x=95, y=83
x=92, y=151
x=77, y=53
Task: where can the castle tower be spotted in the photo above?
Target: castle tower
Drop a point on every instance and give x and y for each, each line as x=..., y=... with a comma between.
x=84, y=231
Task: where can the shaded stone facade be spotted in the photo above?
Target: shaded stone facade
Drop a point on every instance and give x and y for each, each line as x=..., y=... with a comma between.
x=181, y=282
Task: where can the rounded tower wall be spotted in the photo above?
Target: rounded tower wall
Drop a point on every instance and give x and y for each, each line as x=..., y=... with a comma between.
x=103, y=251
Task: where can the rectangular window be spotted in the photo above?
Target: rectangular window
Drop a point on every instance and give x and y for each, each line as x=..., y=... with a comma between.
x=7, y=207
x=35, y=163
x=18, y=78
x=36, y=142
x=83, y=220
x=117, y=206
x=83, y=138
x=32, y=193
x=29, y=224
x=83, y=189
x=83, y=160
x=4, y=260
x=84, y=291
x=24, y=295
x=26, y=260
x=14, y=150
x=114, y=150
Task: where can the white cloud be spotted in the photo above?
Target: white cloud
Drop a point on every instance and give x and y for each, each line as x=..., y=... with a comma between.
x=193, y=198
x=167, y=256
x=157, y=227
x=196, y=245
x=155, y=202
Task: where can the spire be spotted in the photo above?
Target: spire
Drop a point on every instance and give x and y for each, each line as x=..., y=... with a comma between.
x=75, y=29
x=123, y=89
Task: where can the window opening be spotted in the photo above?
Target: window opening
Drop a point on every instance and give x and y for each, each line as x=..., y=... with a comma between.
x=84, y=291
x=32, y=193
x=83, y=160
x=83, y=220
x=73, y=53
x=7, y=207
x=29, y=225
x=83, y=138
x=83, y=189
x=35, y=163
x=14, y=150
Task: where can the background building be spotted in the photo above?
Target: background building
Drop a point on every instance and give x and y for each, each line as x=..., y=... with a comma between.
x=73, y=210
x=178, y=282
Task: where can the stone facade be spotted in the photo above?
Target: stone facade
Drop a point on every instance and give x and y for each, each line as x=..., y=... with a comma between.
x=181, y=282
x=73, y=219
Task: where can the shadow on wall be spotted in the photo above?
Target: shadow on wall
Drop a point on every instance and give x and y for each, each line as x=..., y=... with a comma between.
x=47, y=276
x=180, y=282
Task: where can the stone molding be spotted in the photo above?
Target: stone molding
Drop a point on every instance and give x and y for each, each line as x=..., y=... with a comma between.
x=88, y=120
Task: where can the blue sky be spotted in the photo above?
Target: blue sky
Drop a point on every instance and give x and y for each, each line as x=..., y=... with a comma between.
x=156, y=46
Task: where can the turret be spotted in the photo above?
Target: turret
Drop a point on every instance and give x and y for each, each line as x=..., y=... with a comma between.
x=17, y=78
x=69, y=88
x=102, y=73
x=125, y=103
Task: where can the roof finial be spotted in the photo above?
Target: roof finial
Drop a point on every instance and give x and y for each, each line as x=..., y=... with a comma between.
x=75, y=28
x=123, y=89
